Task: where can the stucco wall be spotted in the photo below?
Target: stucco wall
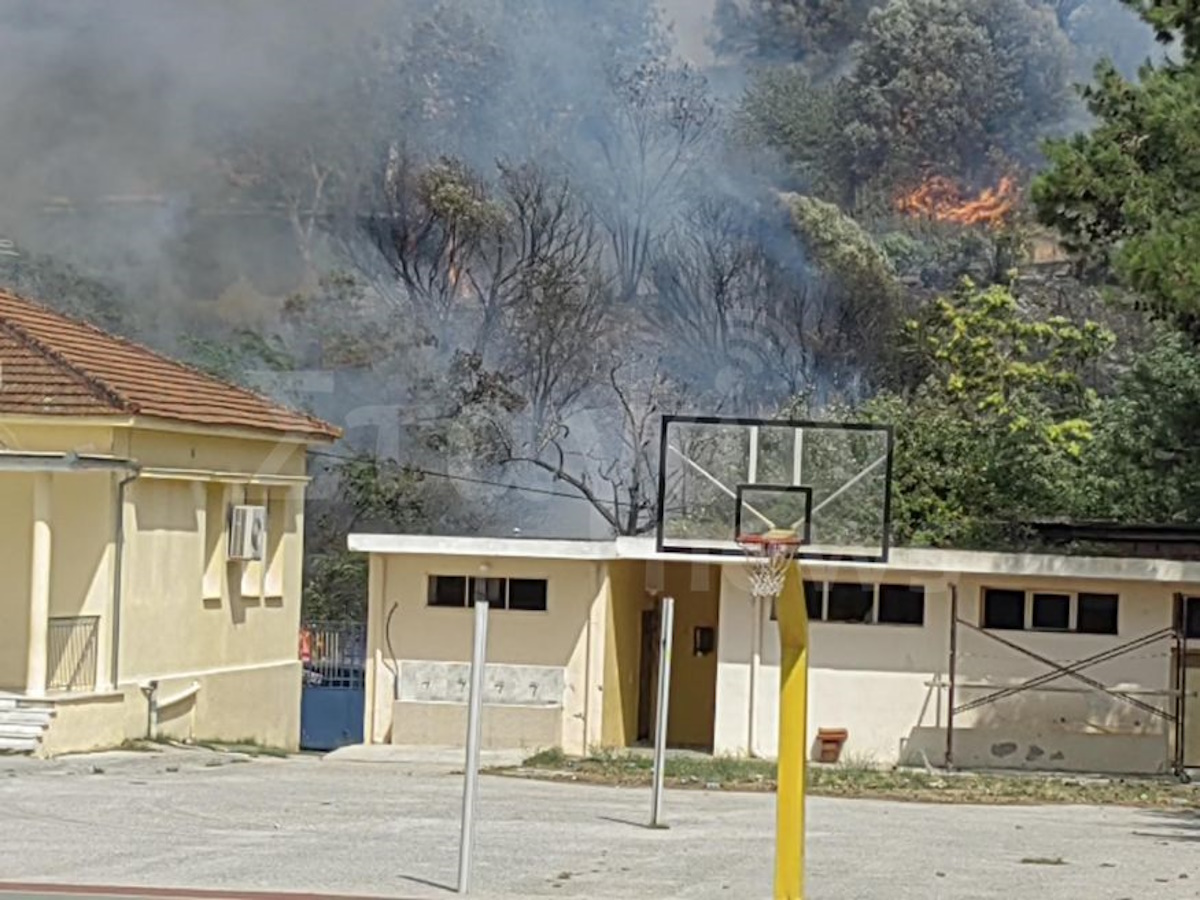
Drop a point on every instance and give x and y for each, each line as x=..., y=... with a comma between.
x=691, y=711
x=873, y=679
x=184, y=450
x=169, y=625
x=16, y=535
x=258, y=703
x=59, y=436
x=622, y=658
x=577, y=609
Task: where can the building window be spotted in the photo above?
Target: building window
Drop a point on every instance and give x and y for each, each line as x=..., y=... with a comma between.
x=1051, y=612
x=527, y=594
x=1097, y=614
x=814, y=599
x=901, y=604
x=1083, y=613
x=1004, y=610
x=851, y=602
x=1191, y=617
x=520, y=594
x=447, y=590
x=490, y=589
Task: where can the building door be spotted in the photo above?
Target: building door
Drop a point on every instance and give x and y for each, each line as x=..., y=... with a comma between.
x=648, y=674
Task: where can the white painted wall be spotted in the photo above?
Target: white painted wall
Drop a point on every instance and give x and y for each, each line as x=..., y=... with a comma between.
x=568, y=638
x=874, y=680
x=869, y=679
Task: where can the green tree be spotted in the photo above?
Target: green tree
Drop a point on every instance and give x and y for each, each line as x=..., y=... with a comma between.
x=1144, y=463
x=996, y=419
x=817, y=34
x=962, y=88
x=1126, y=196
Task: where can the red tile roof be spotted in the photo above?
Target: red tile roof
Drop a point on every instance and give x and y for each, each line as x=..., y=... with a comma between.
x=53, y=365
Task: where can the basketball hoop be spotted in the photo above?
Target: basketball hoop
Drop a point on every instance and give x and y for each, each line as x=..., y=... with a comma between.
x=769, y=556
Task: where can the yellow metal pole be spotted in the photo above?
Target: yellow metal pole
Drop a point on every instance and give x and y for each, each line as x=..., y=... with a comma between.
x=793, y=715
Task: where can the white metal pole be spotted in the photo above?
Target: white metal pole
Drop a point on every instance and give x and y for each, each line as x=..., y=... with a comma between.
x=471, y=770
x=665, y=643
x=755, y=668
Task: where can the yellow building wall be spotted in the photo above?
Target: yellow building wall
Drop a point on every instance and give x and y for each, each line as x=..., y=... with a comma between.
x=16, y=536
x=58, y=436
x=188, y=616
x=622, y=656
x=169, y=624
x=186, y=450
x=570, y=634
x=692, y=709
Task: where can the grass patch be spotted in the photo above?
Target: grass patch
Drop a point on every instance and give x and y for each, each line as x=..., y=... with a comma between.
x=859, y=778
x=245, y=748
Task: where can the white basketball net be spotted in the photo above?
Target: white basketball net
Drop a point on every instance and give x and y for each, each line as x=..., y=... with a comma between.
x=769, y=561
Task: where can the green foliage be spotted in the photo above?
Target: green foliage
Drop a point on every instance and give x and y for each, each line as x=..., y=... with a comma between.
x=233, y=357
x=335, y=586
x=1126, y=196
x=993, y=428
x=960, y=87
x=818, y=34
x=1143, y=465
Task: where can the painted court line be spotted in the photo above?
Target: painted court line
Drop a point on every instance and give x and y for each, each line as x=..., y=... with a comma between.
x=11, y=890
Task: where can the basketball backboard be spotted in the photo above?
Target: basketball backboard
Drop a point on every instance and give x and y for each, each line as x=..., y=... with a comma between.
x=724, y=477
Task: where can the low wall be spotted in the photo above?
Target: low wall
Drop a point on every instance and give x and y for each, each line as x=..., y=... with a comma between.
x=1042, y=750
x=507, y=727
x=259, y=704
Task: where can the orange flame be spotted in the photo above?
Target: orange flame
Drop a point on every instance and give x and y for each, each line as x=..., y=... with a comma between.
x=942, y=200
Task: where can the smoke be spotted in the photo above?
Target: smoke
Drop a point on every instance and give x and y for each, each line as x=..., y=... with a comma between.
x=198, y=156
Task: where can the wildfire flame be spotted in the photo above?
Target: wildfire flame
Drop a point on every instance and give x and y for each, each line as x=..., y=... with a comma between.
x=942, y=200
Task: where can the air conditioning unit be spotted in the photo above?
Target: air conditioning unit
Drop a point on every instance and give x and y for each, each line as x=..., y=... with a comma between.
x=247, y=533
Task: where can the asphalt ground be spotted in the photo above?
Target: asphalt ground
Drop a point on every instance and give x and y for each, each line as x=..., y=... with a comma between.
x=193, y=819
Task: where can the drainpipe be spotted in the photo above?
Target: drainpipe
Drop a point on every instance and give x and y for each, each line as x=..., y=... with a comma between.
x=755, y=665
x=118, y=572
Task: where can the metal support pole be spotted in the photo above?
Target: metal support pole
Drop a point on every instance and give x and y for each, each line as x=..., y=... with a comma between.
x=665, y=641
x=791, y=778
x=471, y=769
x=755, y=676
x=952, y=672
x=1180, y=706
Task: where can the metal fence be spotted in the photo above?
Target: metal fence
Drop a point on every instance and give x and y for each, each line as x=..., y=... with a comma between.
x=73, y=645
x=333, y=654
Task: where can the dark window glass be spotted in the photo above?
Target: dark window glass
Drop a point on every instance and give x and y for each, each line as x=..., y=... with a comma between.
x=1097, y=614
x=902, y=604
x=1003, y=609
x=447, y=590
x=1191, y=620
x=1051, y=612
x=814, y=598
x=850, y=602
x=527, y=594
x=492, y=588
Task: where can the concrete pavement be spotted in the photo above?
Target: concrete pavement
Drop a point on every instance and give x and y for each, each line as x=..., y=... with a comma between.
x=202, y=820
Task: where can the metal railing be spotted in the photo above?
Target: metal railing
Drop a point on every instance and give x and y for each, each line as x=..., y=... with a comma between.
x=72, y=651
x=333, y=654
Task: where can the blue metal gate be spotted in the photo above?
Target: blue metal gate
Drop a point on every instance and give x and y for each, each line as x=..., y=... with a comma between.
x=332, y=700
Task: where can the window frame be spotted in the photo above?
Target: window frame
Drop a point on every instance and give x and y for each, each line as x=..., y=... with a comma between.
x=469, y=582
x=876, y=599
x=1073, y=600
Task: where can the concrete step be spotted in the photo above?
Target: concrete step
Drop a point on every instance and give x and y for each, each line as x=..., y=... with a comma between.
x=20, y=731
x=42, y=717
x=10, y=701
x=18, y=744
